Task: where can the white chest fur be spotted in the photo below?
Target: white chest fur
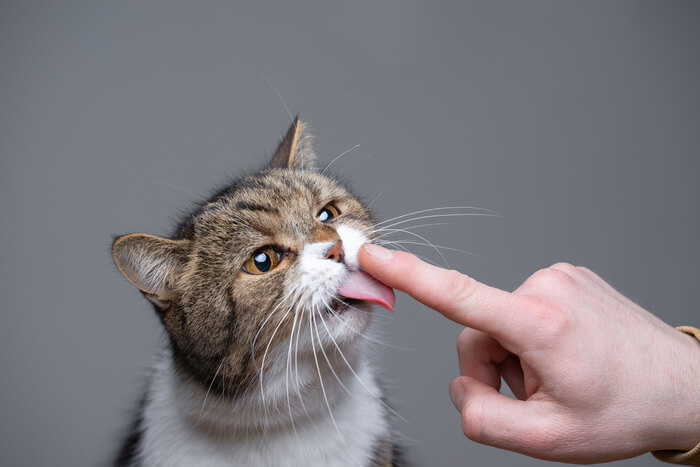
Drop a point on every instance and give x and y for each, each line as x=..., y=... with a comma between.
x=171, y=438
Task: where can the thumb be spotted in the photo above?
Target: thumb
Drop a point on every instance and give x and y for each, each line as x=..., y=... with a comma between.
x=491, y=418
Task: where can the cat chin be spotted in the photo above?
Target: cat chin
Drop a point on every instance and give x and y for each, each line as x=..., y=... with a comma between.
x=332, y=330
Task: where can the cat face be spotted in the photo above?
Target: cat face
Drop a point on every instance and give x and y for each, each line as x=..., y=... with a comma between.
x=255, y=270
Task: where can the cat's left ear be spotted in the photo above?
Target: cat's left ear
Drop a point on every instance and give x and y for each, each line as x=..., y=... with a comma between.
x=296, y=149
x=151, y=263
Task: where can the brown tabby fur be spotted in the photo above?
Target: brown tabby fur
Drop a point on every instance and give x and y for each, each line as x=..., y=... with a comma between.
x=210, y=308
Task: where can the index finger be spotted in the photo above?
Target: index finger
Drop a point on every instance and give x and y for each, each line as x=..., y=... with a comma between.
x=453, y=294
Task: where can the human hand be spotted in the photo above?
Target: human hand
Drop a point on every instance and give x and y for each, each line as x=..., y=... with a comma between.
x=597, y=377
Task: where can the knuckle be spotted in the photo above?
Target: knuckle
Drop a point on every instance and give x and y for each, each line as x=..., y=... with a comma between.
x=460, y=287
x=552, y=278
x=466, y=338
x=553, y=321
x=567, y=268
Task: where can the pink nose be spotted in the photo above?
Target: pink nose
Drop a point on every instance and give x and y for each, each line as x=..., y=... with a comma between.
x=336, y=252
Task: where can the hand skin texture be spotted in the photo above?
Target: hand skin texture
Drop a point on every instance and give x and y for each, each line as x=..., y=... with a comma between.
x=597, y=378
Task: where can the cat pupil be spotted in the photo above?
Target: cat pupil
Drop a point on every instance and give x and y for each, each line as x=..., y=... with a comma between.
x=325, y=215
x=263, y=262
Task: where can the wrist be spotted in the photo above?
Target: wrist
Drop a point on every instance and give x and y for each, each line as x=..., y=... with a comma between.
x=680, y=419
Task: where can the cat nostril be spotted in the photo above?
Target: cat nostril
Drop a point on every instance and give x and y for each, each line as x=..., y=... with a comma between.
x=336, y=252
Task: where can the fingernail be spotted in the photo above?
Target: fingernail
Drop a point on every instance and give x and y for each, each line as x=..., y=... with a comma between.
x=378, y=252
x=457, y=393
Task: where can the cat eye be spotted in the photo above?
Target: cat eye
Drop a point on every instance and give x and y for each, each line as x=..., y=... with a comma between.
x=328, y=213
x=264, y=260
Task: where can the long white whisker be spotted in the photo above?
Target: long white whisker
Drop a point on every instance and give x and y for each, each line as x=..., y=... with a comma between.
x=432, y=216
x=387, y=231
x=320, y=378
x=429, y=242
x=361, y=334
x=401, y=247
x=197, y=197
x=270, y=315
x=377, y=197
x=441, y=247
x=341, y=155
x=296, y=366
x=342, y=355
x=201, y=411
x=286, y=374
x=325, y=356
x=262, y=364
x=484, y=210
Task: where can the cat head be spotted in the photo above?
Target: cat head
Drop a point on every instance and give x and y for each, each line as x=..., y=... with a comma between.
x=259, y=264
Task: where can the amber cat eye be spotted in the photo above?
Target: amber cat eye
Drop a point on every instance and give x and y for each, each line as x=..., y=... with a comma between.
x=264, y=260
x=328, y=213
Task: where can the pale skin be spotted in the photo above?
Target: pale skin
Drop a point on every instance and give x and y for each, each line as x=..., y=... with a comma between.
x=597, y=378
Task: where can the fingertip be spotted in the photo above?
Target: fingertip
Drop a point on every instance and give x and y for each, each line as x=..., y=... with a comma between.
x=375, y=252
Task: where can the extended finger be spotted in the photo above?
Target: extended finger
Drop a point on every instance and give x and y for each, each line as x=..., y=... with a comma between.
x=455, y=295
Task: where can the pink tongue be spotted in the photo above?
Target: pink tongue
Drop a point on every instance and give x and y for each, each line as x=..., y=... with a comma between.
x=362, y=286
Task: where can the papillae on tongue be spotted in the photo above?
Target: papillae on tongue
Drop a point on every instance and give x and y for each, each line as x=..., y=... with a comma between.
x=362, y=286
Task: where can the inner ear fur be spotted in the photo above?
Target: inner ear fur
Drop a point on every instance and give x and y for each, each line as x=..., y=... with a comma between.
x=150, y=263
x=295, y=151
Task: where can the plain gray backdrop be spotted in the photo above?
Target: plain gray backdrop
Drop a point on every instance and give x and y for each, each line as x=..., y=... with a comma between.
x=579, y=122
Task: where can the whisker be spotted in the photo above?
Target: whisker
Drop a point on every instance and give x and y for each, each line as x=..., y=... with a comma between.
x=328, y=361
x=429, y=242
x=197, y=197
x=296, y=366
x=286, y=373
x=341, y=155
x=262, y=364
x=352, y=370
x=265, y=322
x=441, y=247
x=403, y=248
x=363, y=335
x=377, y=197
x=388, y=231
x=484, y=210
x=320, y=378
x=457, y=214
x=201, y=411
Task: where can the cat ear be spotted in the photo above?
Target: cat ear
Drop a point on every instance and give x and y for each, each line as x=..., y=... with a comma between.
x=296, y=149
x=149, y=262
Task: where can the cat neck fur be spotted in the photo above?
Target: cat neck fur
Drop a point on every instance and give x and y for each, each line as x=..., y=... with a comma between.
x=184, y=424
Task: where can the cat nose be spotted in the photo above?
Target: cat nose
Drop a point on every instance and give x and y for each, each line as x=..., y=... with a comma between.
x=336, y=253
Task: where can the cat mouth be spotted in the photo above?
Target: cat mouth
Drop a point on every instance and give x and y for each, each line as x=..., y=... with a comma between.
x=361, y=286
x=340, y=305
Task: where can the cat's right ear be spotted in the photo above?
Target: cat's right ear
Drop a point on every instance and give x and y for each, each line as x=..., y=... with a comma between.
x=150, y=263
x=295, y=151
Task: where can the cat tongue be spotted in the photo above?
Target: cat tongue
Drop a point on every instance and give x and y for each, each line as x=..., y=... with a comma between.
x=362, y=286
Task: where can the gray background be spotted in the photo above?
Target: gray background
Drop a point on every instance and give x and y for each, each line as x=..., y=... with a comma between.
x=578, y=121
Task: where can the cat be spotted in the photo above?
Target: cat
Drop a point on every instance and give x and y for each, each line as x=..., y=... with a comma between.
x=264, y=305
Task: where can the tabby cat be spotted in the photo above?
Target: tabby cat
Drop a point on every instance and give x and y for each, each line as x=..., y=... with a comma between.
x=265, y=308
